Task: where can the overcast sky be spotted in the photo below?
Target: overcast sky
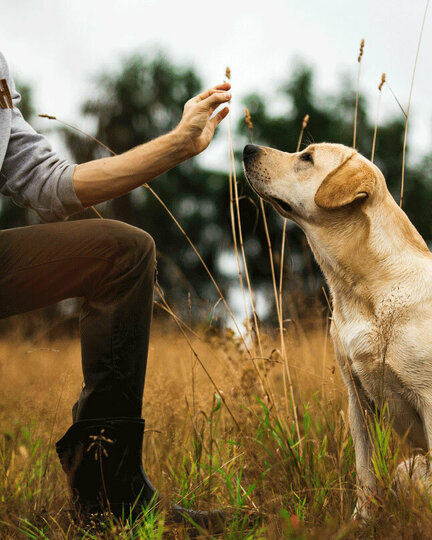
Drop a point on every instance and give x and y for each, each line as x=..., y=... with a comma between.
x=57, y=45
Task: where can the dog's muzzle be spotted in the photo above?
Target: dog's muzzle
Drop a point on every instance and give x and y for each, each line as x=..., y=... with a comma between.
x=255, y=171
x=258, y=176
x=250, y=152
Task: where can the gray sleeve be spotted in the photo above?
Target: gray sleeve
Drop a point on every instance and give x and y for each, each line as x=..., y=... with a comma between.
x=33, y=174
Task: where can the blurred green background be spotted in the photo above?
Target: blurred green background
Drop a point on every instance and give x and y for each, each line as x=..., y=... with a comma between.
x=144, y=98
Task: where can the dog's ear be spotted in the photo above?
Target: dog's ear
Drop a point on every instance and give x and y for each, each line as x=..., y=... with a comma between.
x=353, y=179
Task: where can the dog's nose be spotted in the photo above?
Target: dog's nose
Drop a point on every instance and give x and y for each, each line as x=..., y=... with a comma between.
x=250, y=150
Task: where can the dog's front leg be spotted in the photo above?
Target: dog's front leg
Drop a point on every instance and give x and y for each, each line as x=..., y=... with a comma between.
x=359, y=414
x=359, y=409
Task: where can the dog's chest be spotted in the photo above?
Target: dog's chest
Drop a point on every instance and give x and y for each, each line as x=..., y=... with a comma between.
x=356, y=339
x=394, y=346
x=362, y=351
x=366, y=334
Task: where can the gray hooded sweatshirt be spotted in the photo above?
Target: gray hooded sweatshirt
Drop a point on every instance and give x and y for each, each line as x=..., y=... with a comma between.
x=30, y=171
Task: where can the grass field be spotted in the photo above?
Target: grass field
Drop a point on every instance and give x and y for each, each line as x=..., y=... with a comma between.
x=259, y=430
x=248, y=460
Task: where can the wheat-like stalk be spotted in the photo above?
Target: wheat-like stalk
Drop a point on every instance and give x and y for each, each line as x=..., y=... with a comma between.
x=278, y=297
x=197, y=358
x=395, y=97
x=266, y=390
x=218, y=290
x=249, y=123
x=287, y=374
x=234, y=203
x=409, y=104
x=49, y=117
x=237, y=228
x=381, y=84
x=234, y=229
x=304, y=125
x=233, y=224
x=359, y=59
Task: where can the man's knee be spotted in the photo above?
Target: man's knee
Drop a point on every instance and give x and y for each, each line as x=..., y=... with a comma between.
x=143, y=246
x=129, y=245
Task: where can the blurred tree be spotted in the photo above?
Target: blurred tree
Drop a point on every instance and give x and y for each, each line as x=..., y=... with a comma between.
x=144, y=98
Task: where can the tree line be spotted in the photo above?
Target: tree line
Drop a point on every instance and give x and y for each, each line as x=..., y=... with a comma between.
x=144, y=98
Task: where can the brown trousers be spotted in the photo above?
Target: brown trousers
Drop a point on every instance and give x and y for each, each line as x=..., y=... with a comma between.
x=111, y=265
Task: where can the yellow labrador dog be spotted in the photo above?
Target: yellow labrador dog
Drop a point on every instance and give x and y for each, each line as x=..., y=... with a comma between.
x=379, y=271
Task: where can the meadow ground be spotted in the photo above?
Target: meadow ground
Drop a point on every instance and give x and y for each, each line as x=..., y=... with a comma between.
x=248, y=460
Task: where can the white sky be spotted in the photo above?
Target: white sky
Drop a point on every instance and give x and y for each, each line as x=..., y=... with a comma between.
x=57, y=45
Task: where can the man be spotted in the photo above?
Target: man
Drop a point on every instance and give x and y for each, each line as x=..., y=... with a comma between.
x=112, y=266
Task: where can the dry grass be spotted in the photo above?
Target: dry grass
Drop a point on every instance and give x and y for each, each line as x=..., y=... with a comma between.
x=193, y=449
x=409, y=102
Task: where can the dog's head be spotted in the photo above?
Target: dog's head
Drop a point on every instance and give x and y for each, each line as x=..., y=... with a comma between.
x=311, y=185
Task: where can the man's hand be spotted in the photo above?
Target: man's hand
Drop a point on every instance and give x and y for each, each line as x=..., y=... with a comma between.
x=106, y=178
x=196, y=126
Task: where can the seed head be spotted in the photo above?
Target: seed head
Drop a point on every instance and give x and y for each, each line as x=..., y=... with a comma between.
x=228, y=73
x=383, y=80
x=97, y=444
x=305, y=121
x=362, y=44
x=248, y=118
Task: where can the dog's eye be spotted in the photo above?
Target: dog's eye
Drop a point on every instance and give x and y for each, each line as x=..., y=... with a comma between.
x=306, y=156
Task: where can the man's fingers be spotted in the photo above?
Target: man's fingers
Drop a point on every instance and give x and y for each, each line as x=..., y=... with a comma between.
x=213, y=101
x=223, y=86
x=217, y=118
x=218, y=88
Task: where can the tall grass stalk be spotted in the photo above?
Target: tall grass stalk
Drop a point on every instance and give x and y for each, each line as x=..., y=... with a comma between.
x=287, y=379
x=409, y=103
x=146, y=185
x=49, y=117
x=234, y=192
x=395, y=97
x=233, y=182
x=287, y=373
x=183, y=326
x=180, y=327
x=265, y=387
x=192, y=358
x=381, y=84
x=249, y=123
x=324, y=356
x=359, y=59
x=282, y=257
x=234, y=230
x=234, y=236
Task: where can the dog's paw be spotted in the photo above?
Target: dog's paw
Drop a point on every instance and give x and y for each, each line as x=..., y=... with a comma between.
x=361, y=512
x=414, y=472
x=365, y=507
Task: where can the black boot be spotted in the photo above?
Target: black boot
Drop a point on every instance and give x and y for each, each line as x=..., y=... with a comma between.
x=102, y=461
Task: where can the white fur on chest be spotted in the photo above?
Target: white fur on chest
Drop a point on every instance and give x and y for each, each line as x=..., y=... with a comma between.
x=397, y=336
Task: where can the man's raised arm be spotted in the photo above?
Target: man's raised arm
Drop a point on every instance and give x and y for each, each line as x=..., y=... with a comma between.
x=107, y=178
